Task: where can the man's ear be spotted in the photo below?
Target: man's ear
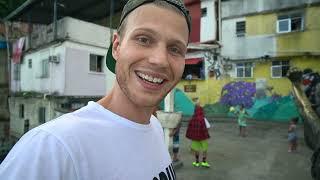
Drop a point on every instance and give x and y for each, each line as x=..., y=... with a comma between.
x=115, y=46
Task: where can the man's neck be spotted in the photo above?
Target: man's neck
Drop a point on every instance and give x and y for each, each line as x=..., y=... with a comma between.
x=118, y=103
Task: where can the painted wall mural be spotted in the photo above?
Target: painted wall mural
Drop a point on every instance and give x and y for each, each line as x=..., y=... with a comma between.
x=262, y=98
x=238, y=93
x=273, y=107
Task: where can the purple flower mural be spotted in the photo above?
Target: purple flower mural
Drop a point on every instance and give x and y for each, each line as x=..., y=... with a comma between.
x=237, y=93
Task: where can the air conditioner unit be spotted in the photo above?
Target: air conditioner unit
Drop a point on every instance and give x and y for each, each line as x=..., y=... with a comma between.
x=54, y=59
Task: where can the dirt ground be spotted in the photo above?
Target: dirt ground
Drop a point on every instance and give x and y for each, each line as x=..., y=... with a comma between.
x=262, y=155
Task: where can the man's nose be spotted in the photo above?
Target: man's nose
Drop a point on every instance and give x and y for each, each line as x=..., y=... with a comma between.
x=159, y=57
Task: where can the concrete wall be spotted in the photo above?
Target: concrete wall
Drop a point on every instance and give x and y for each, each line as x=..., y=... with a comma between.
x=72, y=29
x=79, y=80
x=240, y=7
x=3, y=67
x=4, y=109
x=208, y=24
x=31, y=108
x=4, y=113
x=245, y=47
x=304, y=41
x=86, y=32
x=208, y=89
x=71, y=76
x=31, y=79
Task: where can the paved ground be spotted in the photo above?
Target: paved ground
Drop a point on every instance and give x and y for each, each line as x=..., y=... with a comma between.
x=260, y=156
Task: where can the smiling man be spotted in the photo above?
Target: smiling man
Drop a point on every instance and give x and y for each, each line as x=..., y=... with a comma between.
x=116, y=137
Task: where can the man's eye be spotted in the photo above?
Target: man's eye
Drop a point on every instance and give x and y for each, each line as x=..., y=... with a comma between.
x=175, y=50
x=143, y=40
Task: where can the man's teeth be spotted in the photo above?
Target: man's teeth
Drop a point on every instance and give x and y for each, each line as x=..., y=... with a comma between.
x=150, y=78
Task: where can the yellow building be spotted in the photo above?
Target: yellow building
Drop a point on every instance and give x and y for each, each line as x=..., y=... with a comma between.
x=260, y=45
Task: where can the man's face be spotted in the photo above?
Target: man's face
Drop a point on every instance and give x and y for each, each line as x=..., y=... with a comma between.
x=150, y=54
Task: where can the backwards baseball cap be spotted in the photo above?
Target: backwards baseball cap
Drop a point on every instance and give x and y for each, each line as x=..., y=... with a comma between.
x=132, y=5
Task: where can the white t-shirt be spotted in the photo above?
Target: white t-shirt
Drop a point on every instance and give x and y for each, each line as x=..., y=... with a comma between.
x=91, y=143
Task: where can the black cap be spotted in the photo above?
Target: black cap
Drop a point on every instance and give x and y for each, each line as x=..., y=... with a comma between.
x=132, y=5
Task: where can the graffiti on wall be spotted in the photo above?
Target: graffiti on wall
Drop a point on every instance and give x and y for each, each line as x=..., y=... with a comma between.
x=238, y=93
x=272, y=107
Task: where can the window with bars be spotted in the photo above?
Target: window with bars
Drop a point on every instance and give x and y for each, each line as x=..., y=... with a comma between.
x=240, y=28
x=194, y=69
x=244, y=70
x=21, y=110
x=44, y=68
x=203, y=12
x=29, y=63
x=279, y=69
x=26, y=125
x=290, y=22
x=42, y=115
x=96, y=63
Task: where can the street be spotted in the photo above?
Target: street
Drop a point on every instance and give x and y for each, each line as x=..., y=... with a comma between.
x=262, y=155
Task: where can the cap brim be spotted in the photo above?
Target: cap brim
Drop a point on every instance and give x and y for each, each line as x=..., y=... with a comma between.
x=110, y=61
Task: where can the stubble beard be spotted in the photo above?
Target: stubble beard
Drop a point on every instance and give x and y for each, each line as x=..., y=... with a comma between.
x=123, y=84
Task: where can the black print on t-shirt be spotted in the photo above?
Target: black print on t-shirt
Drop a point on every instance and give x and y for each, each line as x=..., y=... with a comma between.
x=168, y=175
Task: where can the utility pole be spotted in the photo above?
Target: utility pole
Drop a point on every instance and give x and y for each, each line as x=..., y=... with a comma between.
x=55, y=28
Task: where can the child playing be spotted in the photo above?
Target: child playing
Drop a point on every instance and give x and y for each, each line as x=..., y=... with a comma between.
x=198, y=133
x=242, y=115
x=292, y=135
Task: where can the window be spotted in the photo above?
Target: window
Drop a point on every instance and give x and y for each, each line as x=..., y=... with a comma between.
x=16, y=72
x=194, y=69
x=244, y=70
x=26, y=125
x=96, y=63
x=289, y=23
x=240, y=28
x=203, y=12
x=44, y=68
x=30, y=63
x=42, y=115
x=21, y=111
x=279, y=69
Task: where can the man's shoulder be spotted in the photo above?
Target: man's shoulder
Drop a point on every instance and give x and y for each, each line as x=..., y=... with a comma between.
x=81, y=118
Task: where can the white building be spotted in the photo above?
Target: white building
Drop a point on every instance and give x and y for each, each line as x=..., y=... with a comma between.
x=209, y=20
x=203, y=51
x=58, y=76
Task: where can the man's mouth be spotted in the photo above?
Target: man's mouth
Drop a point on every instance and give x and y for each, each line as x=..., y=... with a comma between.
x=149, y=78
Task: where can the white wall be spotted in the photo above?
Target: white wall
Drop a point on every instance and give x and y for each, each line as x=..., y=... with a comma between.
x=86, y=32
x=79, y=80
x=30, y=77
x=245, y=47
x=208, y=25
x=72, y=29
x=71, y=76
